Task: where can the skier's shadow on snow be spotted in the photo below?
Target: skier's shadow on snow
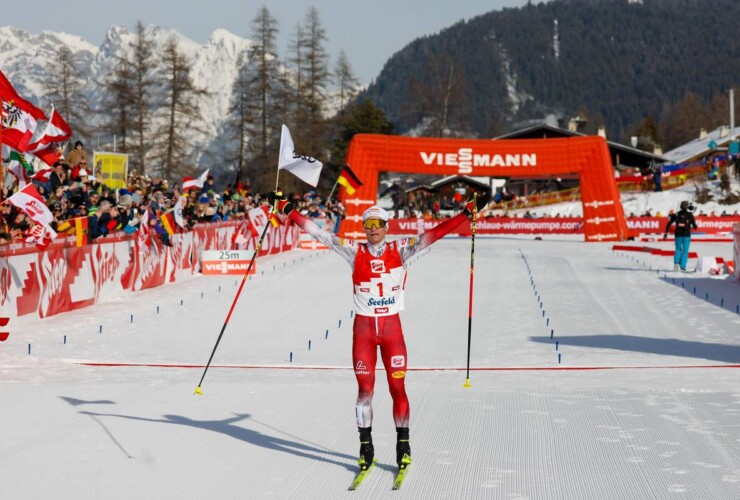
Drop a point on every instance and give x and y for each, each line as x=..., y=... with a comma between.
x=227, y=426
x=669, y=347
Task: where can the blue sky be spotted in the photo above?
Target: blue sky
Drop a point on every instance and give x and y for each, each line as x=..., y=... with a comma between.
x=369, y=32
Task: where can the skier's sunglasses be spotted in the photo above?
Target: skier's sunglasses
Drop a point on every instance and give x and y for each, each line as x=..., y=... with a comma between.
x=373, y=224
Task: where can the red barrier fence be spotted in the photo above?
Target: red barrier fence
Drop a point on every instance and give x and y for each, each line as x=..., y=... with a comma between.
x=64, y=277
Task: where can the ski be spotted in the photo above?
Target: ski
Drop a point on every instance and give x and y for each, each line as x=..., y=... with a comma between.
x=400, y=477
x=361, y=476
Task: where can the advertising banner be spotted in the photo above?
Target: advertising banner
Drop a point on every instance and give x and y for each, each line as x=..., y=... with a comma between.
x=557, y=225
x=224, y=262
x=65, y=277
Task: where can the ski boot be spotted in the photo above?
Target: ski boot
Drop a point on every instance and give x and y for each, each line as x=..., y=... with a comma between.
x=403, y=449
x=367, y=451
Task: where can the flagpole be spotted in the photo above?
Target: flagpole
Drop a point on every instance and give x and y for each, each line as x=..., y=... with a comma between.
x=198, y=389
x=332, y=189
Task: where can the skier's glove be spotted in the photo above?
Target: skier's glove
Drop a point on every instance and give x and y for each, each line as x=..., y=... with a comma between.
x=481, y=202
x=278, y=200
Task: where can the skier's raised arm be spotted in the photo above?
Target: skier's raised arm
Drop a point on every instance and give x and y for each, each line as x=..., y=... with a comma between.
x=344, y=247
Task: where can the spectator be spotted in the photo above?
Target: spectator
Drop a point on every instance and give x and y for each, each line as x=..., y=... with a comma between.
x=58, y=176
x=104, y=220
x=208, y=186
x=657, y=171
x=77, y=155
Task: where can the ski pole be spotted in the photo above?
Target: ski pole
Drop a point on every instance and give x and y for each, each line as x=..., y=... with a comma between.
x=470, y=301
x=231, y=310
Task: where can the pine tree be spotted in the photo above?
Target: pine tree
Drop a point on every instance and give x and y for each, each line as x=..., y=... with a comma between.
x=316, y=76
x=64, y=91
x=362, y=117
x=117, y=111
x=240, y=121
x=296, y=105
x=684, y=121
x=346, y=81
x=263, y=57
x=439, y=101
x=647, y=134
x=174, y=155
x=144, y=82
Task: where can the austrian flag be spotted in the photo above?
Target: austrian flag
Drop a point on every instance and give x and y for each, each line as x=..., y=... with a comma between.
x=56, y=132
x=19, y=117
x=190, y=182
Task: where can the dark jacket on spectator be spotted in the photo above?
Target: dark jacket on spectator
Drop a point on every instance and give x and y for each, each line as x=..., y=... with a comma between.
x=55, y=181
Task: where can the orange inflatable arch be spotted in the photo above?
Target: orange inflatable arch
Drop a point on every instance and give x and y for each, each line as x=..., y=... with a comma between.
x=586, y=156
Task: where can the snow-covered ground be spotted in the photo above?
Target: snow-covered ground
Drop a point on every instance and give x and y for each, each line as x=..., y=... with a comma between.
x=595, y=375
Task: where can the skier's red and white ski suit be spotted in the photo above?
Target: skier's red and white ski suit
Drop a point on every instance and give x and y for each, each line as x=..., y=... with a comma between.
x=378, y=279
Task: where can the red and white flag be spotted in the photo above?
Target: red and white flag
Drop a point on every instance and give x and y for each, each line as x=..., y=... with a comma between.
x=56, y=132
x=40, y=236
x=191, y=182
x=241, y=235
x=43, y=175
x=30, y=202
x=19, y=117
x=49, y=155
x=144, y=233
x=258, y=218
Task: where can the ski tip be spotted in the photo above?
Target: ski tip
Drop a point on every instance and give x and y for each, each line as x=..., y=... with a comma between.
x=467, y=383
x=198, y=391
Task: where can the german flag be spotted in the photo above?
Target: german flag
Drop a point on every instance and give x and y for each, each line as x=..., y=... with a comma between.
x=274, y=219
x=168, y=222
x=81, y=230
x=349, y=180
x=78, y=225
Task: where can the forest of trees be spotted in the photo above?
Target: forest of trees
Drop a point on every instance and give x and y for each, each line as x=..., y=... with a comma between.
x=149, y=105
x=657, y=66
x=659, y=70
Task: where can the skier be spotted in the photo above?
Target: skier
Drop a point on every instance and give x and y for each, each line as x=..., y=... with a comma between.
x=379, y=278
x=684, y=221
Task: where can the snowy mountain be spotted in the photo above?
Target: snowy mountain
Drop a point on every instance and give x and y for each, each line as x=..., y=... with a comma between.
x=24, y=59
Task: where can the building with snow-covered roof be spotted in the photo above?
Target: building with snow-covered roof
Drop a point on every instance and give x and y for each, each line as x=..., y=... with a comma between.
x=708, y=143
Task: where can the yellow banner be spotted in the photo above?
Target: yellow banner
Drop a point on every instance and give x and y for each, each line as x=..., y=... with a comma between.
x=113, y=167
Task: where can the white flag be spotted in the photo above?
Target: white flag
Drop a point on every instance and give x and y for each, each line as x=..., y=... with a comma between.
x=305, y=168
x=189, y=182
x=179, y=219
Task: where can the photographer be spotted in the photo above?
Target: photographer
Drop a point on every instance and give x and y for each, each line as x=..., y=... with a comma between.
x=684, y=221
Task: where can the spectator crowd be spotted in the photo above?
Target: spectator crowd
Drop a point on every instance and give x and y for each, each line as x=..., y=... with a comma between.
x=72, y=191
